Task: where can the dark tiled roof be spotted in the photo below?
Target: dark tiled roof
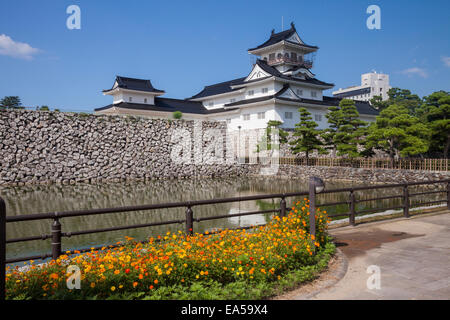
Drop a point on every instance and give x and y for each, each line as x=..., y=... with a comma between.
x=168, y=105
x=362, y=106
x=273, y=71
x=225, y=87
x=218, y=88
x=135, y=84
x=352, y=93
x=280, y=36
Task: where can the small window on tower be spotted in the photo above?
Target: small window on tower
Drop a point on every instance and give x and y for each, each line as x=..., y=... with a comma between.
x=145, y=100
x=317, y=117
x=261, y=115
x=211, y=104
x=251, y=92
x=313, y=94
x=288, y=115
x=299, y=92
x=265, y=90
x=130, y=99
x=246, y=117
x=272, y=56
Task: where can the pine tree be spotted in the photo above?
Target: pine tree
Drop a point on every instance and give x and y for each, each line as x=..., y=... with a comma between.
x=398, y=133
x=266, y=142
x=307, y=135
x=350, y=129
x=328, y=135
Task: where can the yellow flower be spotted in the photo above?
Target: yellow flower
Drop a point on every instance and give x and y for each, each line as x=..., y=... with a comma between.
x=113, y=288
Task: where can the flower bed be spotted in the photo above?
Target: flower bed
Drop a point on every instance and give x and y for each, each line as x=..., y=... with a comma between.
x=171, y=265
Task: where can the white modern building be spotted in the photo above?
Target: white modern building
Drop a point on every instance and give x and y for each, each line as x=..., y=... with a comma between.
x=279, y=83
x=372, y=84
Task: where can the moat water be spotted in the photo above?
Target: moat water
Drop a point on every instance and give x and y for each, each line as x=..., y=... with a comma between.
x=50, y=198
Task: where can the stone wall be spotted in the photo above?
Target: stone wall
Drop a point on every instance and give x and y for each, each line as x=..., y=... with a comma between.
x=53, y=147
x=46, y=147
x=355, y=174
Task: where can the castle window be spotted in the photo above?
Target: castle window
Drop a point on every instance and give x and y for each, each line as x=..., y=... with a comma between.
x=265, y=90
x=299, y=92
x=246, y=117
x=313, y=94
x=317, y=117
x=294, y=56
x=232, y=100
x=145, y=100
x=130, y=99
x=251, y=92
x=272, y=56
x=288, y=115
x=228, y=121
x=211, y=104
x=261, y=115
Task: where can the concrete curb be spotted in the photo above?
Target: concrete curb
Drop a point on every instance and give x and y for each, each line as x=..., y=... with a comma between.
x=319, y=284
x=339, y=274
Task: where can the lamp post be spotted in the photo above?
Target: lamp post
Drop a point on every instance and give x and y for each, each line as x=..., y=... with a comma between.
x=316, y=185
x=239, y=145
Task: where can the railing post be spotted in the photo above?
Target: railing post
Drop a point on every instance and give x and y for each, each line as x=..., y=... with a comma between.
x=56, y=238
x=448, y=195
x=2, y=249
x=406, y=201
x=283, y=207
x=351, y=217
x=189, y=221
x=312, y=212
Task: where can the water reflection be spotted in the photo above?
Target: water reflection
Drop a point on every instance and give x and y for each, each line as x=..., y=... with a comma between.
x=36, y=199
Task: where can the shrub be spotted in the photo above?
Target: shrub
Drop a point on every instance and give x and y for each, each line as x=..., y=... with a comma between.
x=175, y=264
x=177, y=115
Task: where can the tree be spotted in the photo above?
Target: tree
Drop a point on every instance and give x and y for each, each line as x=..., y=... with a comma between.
x=378, y=103
x=329, y=134
x=177, y=115
x=350, y=129
x=398, y=133
x=266, y=140
x=44, y=108
x=307, y=135
x=404, y=97
x=435, y=112
x=12, y=102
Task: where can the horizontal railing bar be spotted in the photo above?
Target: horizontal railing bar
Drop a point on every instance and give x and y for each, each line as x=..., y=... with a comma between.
x=236, y=215
x=429, y=202
x=32, y=238
x=339, y=215
x=380, y=198
x=52, y=215
x=135, y=226
x=36, y=257
x=332, y=203
x=427, y=192
x=378, y=209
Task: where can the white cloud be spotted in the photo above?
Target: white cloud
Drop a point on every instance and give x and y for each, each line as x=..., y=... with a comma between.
x=415, y=71
x=21, y=50
x=446, y=61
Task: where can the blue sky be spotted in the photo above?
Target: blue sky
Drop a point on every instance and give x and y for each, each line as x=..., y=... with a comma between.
x=184, y=45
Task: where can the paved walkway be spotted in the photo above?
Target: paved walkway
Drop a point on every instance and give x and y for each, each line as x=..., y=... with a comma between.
x=413, y=256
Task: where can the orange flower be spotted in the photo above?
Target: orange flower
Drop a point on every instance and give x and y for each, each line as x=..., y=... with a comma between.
x=135, y=284
x=156, y=281
x=141, y=276
x=54, y=276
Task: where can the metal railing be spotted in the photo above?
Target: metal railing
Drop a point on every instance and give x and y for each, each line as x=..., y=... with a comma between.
x=57, y=234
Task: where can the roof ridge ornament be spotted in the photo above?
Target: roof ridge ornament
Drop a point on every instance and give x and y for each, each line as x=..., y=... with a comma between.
x=292, y=25
x=273, y=32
